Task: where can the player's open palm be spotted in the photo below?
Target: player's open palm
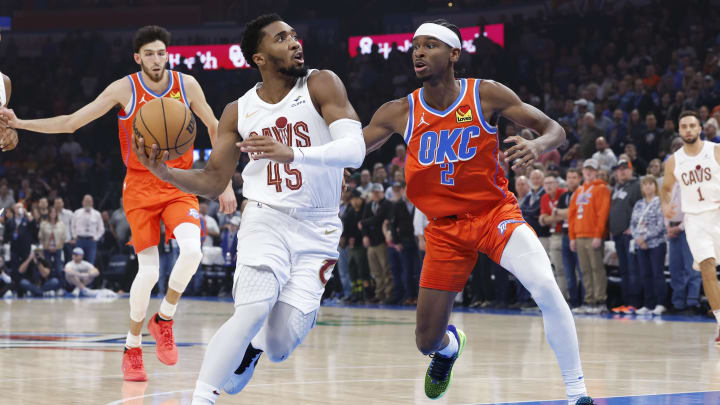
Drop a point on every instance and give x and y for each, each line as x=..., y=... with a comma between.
x=156, y=165
x=523, y=153
x=266, y=147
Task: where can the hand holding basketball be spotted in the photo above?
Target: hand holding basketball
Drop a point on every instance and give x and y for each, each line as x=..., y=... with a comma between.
x=167, y=123
x=155, y=163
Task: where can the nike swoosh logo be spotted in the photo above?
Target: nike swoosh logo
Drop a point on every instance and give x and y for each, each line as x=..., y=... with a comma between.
x=250, y=115
x=330, y=231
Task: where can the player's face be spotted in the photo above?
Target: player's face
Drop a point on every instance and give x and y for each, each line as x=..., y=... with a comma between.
x=689, y=129
x=152, y=58
x=432, y=57
x=281, y=51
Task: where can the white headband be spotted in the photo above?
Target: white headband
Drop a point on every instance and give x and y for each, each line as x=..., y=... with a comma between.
x=444, y=34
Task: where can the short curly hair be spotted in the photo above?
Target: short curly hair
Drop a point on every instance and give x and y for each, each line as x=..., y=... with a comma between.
x=253, y=35
x=150, y=33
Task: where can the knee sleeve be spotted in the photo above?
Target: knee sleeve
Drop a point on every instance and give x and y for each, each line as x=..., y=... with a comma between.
x=147, y=276
x=188, y=240
x=255, y=284
x=285, y=329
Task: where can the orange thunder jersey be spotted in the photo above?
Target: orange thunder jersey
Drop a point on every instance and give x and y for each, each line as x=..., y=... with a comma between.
x=141, y=94
x=453, y=165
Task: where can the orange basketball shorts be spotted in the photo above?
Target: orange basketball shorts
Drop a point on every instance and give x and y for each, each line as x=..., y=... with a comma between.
x=147, y=200
x=453, y=243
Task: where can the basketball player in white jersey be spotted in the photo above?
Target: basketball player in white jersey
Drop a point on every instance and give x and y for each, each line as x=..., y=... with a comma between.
x=301, y=132
x=696, y=168
x=8, y=136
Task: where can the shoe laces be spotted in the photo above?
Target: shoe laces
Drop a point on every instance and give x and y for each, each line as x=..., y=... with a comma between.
x=166, y=332
x=440, y=367
x=136, y=361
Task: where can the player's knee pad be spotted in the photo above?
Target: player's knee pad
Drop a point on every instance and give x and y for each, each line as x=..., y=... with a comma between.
x=287, y=328
x=188, y=240
x=255, y=284
x=145, y=280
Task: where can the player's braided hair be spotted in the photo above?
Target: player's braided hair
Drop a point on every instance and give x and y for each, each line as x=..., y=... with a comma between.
x=150, y=33
x=253, y=35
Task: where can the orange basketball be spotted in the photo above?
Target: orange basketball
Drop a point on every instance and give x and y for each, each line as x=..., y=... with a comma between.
x=167, y=123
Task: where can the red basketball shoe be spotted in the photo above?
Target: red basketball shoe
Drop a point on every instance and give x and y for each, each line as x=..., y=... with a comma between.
x=132, y=365
x=165, y=347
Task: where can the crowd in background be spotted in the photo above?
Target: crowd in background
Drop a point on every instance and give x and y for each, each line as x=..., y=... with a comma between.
x=616, y=81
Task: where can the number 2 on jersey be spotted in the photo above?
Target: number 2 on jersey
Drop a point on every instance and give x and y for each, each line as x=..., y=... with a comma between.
x=274, y=179
x=448, y=170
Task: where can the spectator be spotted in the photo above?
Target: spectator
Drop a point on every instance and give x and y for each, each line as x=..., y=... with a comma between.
x=357, y=253
x=648, y=142
x=605, y=156
x=6, y=288
x=36, y=276
x=80, y=273
x=400, y=155
x=587, y=218
x=376, y=213
x=21, y=231
x=648, y=231
x=212, y=230
x=549, y=217
x=52, y=239
x=65, y=216
x=365, y=184
x=87, y=228
x=403, y=236
x=6, y=198
x=638, y=163
x=120, y=226
x=530, y=207
x=71, y=148
x=666, y=138
x=655, y=169
x=624, y=196
x=618, y=132
x=710, y=129
x=522, y=187
x=684, y=280
x=573, y=275
x=589, y=133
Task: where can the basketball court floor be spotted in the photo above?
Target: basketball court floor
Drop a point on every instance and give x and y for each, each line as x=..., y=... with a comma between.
x=68, y=351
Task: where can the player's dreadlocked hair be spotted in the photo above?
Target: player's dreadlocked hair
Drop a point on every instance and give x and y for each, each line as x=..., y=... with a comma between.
x=150, y=33
x=253, y=35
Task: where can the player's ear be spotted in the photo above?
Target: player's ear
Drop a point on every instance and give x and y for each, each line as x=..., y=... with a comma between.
x=136, y=56
x=455, y=55
x=259, y=59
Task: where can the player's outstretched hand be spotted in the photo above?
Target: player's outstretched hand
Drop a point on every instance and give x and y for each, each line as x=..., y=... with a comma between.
x=266, y=147
x=523, y=153
x=8, y=118
x=156, y=165
x=8, y=139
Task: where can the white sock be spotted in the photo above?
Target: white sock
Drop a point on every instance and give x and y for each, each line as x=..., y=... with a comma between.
x=716, y=312
x=451, y=348
x=574, y=385
x=205, y=394
x=167, y=309
x=132, y=341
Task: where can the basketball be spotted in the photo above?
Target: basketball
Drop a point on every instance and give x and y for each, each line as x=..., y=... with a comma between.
x=167, y=123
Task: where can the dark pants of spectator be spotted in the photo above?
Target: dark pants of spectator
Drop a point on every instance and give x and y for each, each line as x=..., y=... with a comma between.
x=89, y=246
x=396, y=268
x=481, y=279
x=573, y=275
x=411, y=271
x=685, y=281
x=358, y=268
x=380, y=270
x=167, y=261
x=67, y=251
x=50, y=285
x=343, y=268
x=56, y=263
x=502, y=285
x=629, y=276
x=652, y=264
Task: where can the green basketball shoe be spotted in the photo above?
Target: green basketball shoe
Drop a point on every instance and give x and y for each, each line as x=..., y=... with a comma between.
x=439, y=374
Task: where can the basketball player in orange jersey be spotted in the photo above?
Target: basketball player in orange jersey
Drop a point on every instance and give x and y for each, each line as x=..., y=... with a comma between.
x=147, y=199
x=454, y=177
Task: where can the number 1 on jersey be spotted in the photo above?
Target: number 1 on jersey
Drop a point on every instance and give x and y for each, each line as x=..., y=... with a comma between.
x=448, y=170
x=700, y=197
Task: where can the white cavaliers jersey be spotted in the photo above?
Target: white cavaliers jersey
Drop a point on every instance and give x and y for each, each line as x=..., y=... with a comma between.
x=295, y=122
x=3, y=96
x=699, y=179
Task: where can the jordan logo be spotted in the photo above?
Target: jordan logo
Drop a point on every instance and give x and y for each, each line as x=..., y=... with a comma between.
x=142, y=100
x=422, y=120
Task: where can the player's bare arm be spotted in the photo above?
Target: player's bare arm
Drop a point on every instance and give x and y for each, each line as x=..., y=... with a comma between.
x=116, y=94
x=210, y=181
x=199, y=105
x=497, y=98
x=667, y=186
x=330, y=99
x=389, y=119
x=8, y=136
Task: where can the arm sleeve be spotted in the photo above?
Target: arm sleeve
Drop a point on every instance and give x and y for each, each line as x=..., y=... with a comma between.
x=347, y=149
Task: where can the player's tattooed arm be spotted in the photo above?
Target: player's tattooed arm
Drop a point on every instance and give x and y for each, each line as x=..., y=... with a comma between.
x=389, y=119
x=497, y=98
x=117, y=93
x=210, y=181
